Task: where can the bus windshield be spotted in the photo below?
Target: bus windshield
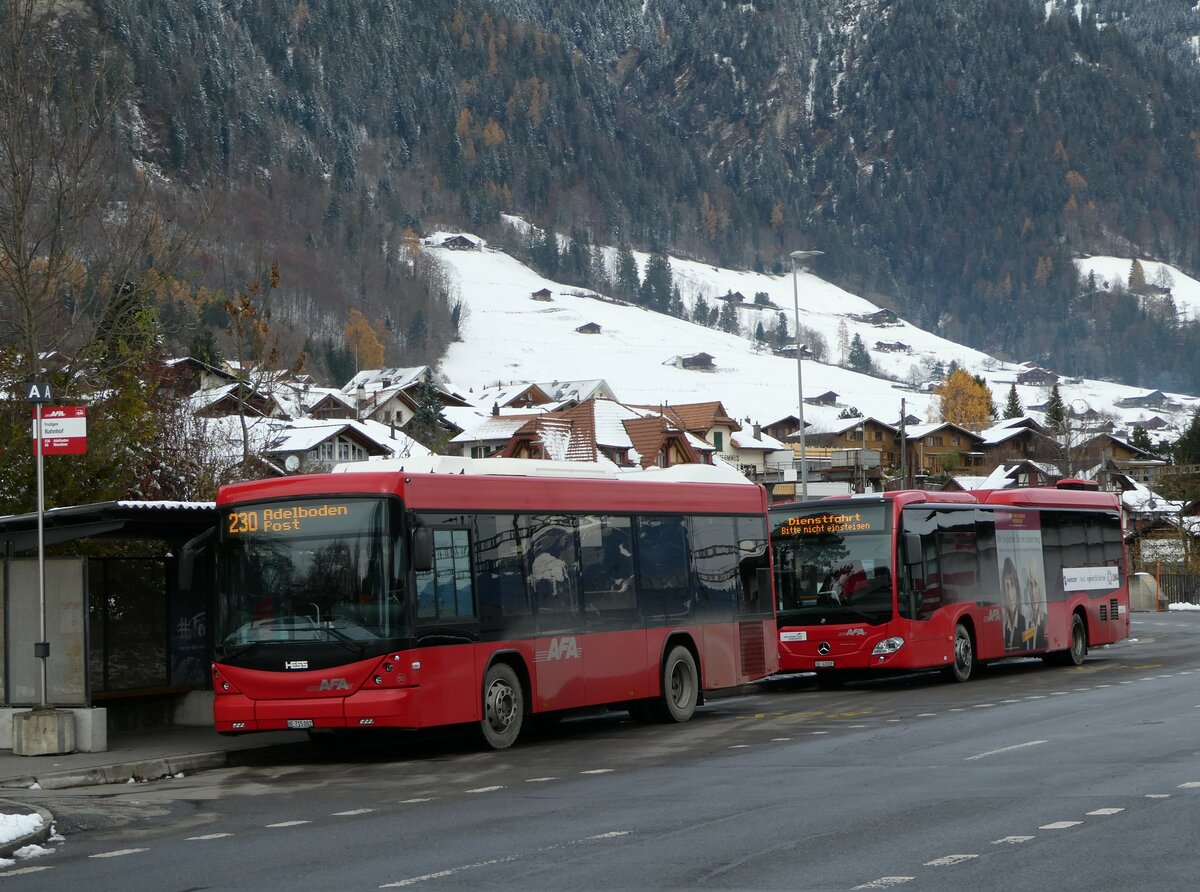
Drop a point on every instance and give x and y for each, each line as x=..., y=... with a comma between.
x=318, y=570
x=833, y=564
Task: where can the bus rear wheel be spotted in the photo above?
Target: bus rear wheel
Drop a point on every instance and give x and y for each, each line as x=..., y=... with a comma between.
x=964, y=656
x=1075, y=654
x=680, y=686
x=503, y=707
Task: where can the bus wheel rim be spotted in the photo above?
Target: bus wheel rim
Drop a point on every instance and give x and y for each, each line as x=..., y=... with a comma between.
x=500, y=706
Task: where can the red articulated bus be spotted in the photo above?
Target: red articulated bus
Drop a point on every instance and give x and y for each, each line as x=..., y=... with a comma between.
x=910, y=580
x=389, y=598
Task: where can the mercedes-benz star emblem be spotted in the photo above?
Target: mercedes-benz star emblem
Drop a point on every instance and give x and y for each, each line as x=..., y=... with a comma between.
x=823, y=648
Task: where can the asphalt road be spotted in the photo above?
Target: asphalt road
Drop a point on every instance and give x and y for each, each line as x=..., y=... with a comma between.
x=1026, y=778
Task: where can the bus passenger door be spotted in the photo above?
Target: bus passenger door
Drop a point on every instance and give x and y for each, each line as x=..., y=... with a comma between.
x=615, y=651
x=920, y=598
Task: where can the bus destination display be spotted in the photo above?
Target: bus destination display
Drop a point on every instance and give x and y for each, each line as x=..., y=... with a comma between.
x=291, y=519
x=832, y=523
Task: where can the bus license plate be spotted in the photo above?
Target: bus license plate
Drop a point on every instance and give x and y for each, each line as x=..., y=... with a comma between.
x=824, y=664
x=300, y=723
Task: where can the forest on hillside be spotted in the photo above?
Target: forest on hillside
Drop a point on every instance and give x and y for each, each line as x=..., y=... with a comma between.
x=950, y=158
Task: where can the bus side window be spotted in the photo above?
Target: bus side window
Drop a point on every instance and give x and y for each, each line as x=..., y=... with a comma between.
x=446, y=592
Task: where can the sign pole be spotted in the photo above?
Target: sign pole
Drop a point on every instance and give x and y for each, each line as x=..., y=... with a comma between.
x=42, y=648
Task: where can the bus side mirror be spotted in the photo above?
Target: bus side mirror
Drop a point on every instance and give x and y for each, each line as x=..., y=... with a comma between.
x=189, y=554
x=422, y=549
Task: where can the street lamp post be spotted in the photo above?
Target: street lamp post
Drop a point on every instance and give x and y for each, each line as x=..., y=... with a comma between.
x=798, y=260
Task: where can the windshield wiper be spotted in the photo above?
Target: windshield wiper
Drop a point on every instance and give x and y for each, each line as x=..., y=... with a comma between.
x=344, y=640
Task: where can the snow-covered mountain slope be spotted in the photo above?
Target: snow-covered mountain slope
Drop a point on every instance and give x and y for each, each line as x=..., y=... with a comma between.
x=509, y=337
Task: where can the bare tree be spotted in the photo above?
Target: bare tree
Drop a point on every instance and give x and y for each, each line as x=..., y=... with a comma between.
x=77, y=229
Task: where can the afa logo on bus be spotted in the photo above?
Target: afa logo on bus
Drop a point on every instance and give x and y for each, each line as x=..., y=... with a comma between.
x=562, y=648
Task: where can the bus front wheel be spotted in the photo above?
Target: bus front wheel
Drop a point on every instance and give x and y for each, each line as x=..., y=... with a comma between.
x=680, y=686
x=503, y=707
x=964, y=656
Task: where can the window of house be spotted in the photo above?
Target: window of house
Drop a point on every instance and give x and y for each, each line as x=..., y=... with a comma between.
x=935, y=441
x=719, y=440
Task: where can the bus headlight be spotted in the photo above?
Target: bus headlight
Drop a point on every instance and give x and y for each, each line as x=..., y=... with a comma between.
x=887, y=646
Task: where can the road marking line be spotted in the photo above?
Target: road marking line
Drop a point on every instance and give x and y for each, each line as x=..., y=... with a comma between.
x=117, y=854
x=208, y=836
x=886, y=882
x=820, y=732
x=1158, y=795
x=1036, y=697
x=415, y=801
x=352, y=812
x=739, y=746
x=491, y=789
x=289, y=823
x=21, y=870
x=949, y=860
x=1005, y=749
x=895, y=720
x=925, y=715
x=412, y=881
x=1010, y=701
x=1059, y=693
x=598, y=771
x=1106, y=811
x=1189, y=785
x=1011, y=840
x=539, y=780
x=780, y=739
x=441, y=874
x=1060, y=825
x=982, y=705
x=957, y=709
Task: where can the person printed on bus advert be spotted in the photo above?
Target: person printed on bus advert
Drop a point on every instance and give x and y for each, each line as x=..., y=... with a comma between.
x=1035, y=635
x=1014, y=618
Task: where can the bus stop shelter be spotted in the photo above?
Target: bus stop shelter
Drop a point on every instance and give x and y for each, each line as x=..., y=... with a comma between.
x=128, y=632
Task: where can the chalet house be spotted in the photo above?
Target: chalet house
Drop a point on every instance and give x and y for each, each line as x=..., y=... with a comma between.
x=1005, y=444
x=828, y=398
x=512, y=396
x=1037, y=376
x=598, y=430
x=459, y=243
x=733, y=297
x=542, y=294
x=233, y=399
x=326, y=403
x=489, y=436
x=936, y=449
x=1153, y=423
x=312, y=446
x=186, y=375
x=759, y=453
x=572, y=393
x=881, y=317
x=1105, y=447
x=859, y=433
x=1155, y=399
x=702, y=362
x=589, y=328
x=892, y=347
x=786, y=428
x=708, y=421
x=389, y=395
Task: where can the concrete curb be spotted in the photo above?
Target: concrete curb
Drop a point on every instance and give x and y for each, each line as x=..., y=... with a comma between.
x=151, y=769
x=37, y=837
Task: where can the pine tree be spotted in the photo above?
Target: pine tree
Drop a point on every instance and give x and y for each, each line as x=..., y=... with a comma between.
x=728, y=320
x=700, y=311
x=860, y=358
x=780, y=334
x=1137, y=278
x=1187, y=447
x=760, y=333
x=1141, y=439
x=655, y=292
x=628, y=279
x=427, y=426
x=1056, y=412
x=1013, y=408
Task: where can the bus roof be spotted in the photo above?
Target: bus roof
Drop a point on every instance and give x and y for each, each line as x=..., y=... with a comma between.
x=1025, y=497
x=619, y=494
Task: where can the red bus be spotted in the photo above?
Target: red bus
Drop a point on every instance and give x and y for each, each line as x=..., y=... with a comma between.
x=910, y=580
x=384, y=598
